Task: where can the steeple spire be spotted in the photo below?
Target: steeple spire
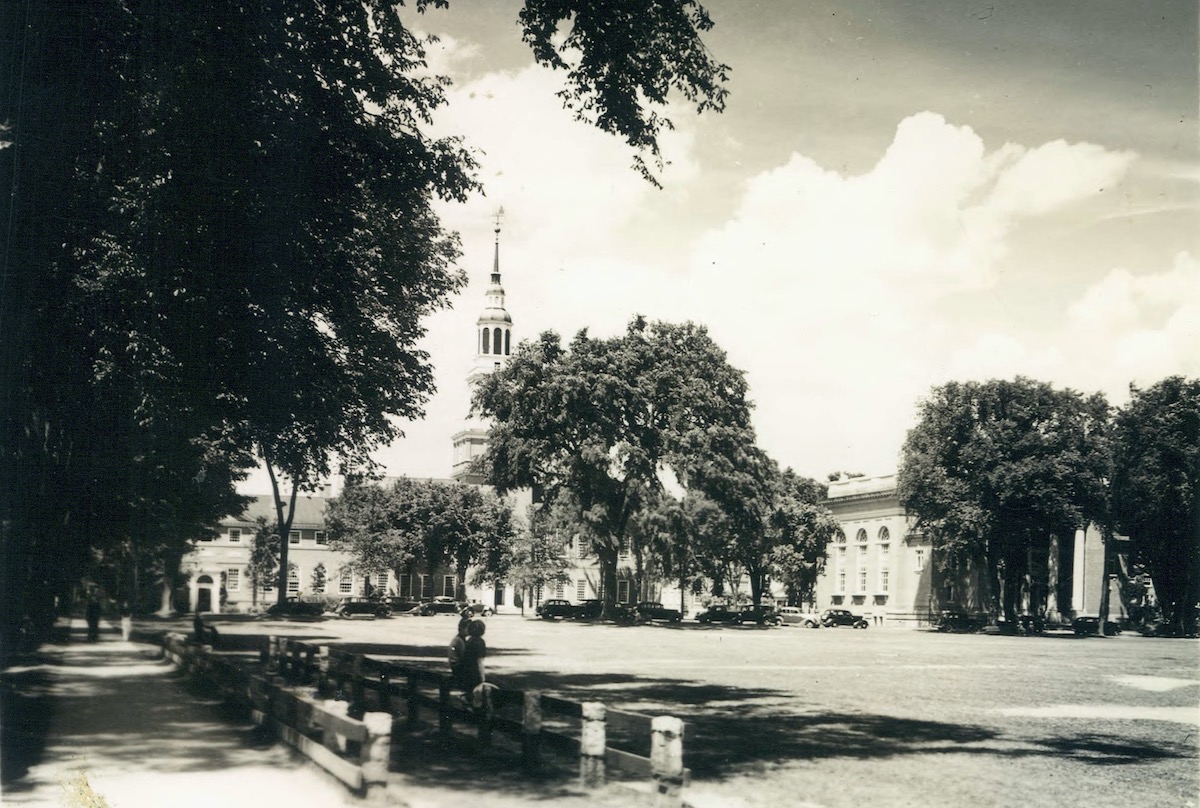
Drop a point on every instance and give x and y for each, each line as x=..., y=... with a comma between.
x=496, y=258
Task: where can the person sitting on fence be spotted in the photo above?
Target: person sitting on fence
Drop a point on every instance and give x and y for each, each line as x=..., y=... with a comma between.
x=474, y=678
x=455, y=652
x=205, y=634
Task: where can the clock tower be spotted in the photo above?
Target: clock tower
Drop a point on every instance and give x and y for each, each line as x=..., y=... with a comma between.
x=493, y=346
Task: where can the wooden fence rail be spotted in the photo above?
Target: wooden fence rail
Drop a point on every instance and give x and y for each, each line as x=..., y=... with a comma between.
x=341, y=709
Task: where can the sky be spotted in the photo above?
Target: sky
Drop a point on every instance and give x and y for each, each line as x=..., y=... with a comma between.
x=898, y=194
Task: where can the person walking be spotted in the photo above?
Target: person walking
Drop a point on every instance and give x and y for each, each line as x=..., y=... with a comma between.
x=92, y=615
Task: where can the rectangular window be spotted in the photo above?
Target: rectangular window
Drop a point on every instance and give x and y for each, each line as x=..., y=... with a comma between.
x=293, y=537
x=537, y=594
x=346, y=583
x=919, y=559
x=884, y=555
x=448, y=582
x=235, y=534
x=623, y=552
x=558, y=589
x=841, y=571
x=582, y=546
x=622, y=591
x=883, y=580
x=318, y=584
x=426, y=587
x=320, y=537
x=293, y=580
x=862, y=577
x=381, y=579
x=581, y=590
x=233, y=579
x=405, y=584
x=499, y=599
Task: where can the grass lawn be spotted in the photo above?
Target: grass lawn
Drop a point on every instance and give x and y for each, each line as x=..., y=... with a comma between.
x=883, y=717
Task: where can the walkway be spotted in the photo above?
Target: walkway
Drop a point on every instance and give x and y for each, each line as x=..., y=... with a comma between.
x=112, y=725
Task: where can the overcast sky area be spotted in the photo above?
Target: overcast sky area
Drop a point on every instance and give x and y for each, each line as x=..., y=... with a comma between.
x=898, y=194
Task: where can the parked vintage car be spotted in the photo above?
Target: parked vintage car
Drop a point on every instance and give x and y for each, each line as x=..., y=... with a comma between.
x=831, y=618
x=797, y=616
x=440, y=605
x=589, y=609
x=654, y=610
x=719, y=613
x=404, y=605
x=762, y=615
x=960, y=621
x=476, y=608
x=295, y=607
x=555, y=607
x=357, y=607
x=1085, y=626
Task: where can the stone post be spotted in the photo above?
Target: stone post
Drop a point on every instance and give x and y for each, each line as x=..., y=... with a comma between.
x=323, y=670
x=666, y=761
x=414, y=705
x=531, y=731
x=444, y=723
x=592, y=743
x=376, y=755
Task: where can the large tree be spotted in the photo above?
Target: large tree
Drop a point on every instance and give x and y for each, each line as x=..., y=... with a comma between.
x=993, y=469
x=409, y=525
x=230, y=213
x=802, y=528
x=1156, y=491
x=602, y=419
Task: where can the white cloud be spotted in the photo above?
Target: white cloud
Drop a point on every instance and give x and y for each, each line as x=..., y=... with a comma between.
x=824, y=287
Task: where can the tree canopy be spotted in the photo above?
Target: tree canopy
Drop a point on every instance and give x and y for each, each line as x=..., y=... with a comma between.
x=994, y=468
x=1156, y=491
x=603, y=418
x=220, y=241
x=412, y=525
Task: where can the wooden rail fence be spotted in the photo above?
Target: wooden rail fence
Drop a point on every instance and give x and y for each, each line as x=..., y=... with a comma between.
x=342, y=710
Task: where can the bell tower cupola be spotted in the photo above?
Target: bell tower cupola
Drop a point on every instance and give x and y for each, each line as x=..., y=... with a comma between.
x=493, y=347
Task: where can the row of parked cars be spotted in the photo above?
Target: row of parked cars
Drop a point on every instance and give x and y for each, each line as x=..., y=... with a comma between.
x=371, y=607
x=649, y=611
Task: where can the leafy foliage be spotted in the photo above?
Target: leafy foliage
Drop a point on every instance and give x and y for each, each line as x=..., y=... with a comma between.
x=600, y=421
x=1156, y=491
x=221, y=242
x=994, y=468
x=410, y=525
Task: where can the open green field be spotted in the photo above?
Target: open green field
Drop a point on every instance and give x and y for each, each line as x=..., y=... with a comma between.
x=837, y=717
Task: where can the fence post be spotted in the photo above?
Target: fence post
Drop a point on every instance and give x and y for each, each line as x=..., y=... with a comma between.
x=666, y=760
x=323, y=670
x=444, y=723
x=385, y=690
x=376, y=754
x=531, y=731
x=592, y=742
x=358, y=688
x=414, y=704
x=272, y=659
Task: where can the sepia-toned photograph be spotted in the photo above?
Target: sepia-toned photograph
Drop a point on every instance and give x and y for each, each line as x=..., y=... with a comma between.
x=600, y=403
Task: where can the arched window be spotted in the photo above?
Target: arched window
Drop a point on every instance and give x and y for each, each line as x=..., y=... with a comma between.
x=507, y=341
x=861, y=537
x=884, y=534
x=496, y=340
x=839, y=537
x=485, y=335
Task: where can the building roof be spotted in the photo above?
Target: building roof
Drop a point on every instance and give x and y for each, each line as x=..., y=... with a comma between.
x=310, y=511
x=880, y=485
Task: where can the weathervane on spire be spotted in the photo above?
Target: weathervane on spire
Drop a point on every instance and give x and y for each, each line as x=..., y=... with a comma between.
x=499, y=215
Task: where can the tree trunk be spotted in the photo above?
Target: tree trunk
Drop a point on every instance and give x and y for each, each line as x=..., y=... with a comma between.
x=607, y=557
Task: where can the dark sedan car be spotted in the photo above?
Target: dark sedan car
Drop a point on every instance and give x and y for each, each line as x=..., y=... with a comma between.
x=294, y=607
x=653, y=610
x=357, y=607
x=719, y=613
x=440, y=605
x=762, y=615
x=588, y=609
x=555, y=607
x=831, y=618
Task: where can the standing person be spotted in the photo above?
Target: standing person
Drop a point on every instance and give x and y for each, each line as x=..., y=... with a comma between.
x=474, y=652
x=126, y=621
x=92, y=614
x=454, y=653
